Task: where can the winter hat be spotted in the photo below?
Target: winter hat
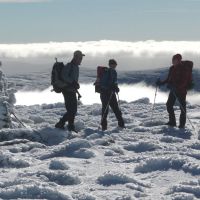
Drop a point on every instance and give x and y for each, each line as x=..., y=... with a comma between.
x=112, y=62
x=78, y=53
x=177, y=56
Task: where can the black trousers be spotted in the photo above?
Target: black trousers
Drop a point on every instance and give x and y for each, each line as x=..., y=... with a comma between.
x=110, y=98
x=71, y=107
x=170, y=103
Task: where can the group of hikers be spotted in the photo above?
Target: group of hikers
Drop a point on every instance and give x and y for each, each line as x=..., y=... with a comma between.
x=65, y=79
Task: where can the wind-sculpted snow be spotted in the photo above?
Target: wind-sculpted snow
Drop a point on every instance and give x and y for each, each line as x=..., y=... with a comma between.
x=76, y=148
x=33, y=192
x=196, y=146
x=170, y=139
x=191, y=188
x=147, y=160
x=61, y=178
x=166, y=163
x=109, y=179
x=79, y=196
x=162, y=163
x=58, y=165
x=6, y=161
x=142, y=147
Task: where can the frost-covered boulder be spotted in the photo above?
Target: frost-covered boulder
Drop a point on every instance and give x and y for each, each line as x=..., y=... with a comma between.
x=7, y=100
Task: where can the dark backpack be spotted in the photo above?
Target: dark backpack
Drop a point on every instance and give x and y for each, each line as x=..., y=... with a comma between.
x=187, y=67
x=56, y=80
x=101, y=73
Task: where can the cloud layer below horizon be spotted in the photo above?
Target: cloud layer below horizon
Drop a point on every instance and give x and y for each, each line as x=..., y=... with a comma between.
x=148, y=48
x=140, y=54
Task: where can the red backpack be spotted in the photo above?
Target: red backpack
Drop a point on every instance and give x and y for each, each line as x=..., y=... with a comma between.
x=187, y=72
x=100, y=72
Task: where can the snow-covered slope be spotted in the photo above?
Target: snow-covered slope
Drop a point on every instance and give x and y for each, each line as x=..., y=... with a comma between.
x=145, y=161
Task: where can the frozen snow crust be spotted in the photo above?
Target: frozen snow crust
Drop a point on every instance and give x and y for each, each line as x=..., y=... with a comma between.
x=145, y=161
x=7, y=100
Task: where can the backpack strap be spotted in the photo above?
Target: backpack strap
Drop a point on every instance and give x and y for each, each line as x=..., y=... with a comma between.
x=71, y=69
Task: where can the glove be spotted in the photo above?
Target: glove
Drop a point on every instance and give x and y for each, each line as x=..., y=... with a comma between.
x=169, y=86
x=158, y=82
x=190, y=85
x=75, y=85
x=115, y=88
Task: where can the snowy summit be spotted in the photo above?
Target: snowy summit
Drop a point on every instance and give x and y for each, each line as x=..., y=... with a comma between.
x=147, y=160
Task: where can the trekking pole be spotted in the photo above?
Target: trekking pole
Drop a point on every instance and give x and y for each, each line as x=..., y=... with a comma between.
x=153, y=108
x=105, y=110
x=18, y=119
x=118, y=100
x=181, y=106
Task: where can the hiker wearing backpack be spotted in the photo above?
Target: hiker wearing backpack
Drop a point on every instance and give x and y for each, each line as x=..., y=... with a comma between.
x=179, y=80
x=107, y=86
x=69, y=76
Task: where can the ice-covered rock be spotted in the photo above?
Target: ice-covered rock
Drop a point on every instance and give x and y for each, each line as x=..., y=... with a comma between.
x=7, y=100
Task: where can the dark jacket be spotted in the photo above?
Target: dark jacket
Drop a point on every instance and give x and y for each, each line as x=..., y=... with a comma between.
x=179, y=77
x=109, y=80
x=70, y=75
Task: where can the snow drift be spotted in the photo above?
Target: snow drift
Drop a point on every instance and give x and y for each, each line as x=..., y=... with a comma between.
x=147, y=160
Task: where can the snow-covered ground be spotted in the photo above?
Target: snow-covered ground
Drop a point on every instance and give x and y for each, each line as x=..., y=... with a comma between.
x=145, y=161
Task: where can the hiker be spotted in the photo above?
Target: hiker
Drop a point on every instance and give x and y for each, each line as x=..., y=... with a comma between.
x=70, y=76
x=108, y=88
x=179, y=80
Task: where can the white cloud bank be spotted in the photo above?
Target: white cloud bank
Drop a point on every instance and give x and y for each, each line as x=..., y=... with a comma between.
x=149, y=48
x=137, y=55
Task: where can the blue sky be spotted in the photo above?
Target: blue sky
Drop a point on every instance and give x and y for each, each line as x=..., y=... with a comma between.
x=88, y=20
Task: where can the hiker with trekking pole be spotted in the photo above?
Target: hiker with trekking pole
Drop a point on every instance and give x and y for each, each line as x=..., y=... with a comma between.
x=106, y=85
x=179, y=81
x=65, y=80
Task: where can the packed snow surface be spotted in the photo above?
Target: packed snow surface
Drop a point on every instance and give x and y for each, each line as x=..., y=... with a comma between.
x=147, y=160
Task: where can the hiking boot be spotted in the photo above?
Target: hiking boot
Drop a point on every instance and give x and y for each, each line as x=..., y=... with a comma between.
x=181, y=126
x=72, y=128
x=123, y=127
x=60, y=125
x=170, y=124
x=121, y=124
x=104, y=128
